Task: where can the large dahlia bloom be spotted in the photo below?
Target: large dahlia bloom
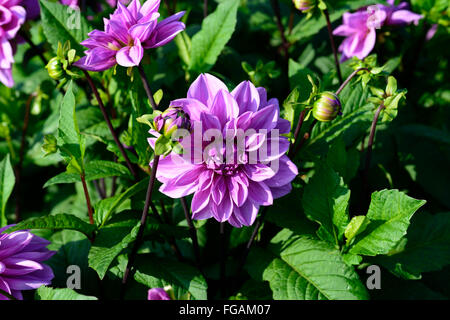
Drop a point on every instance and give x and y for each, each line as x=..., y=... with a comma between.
x=399, y=15
x=127, y=33
x=230, y=180
x=12, y=16
x=21, y=267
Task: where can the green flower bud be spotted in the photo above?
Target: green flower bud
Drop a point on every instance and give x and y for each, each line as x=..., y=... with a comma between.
x=326, y=107
x=304, y=5
x=55, y=69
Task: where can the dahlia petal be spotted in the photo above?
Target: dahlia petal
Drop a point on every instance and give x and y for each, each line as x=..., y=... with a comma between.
x=130, y=56
x=31, y=281
x=149, y=7
x=223, y=211
x=247, y=213
x=205, y=88
x=287, y=172
x=259, y=193
x=142, y=31
x=5, y=287
x=165, y=31
x=192, y=107
x=18, y=267
x=246, y=96
x=203, y=214
x=279, y=192
x=157, y=294
x=258, y=172
x=265, y=118
x=402, y=17
x=200, y=200
x=6, y=77
x=14, y=242
x=182, y=186
x=18, y=18
x=224, y=107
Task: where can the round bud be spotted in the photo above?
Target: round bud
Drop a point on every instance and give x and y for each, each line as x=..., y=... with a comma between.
x=172, y=119
x=326, y=107
x=304, y=5
x=55, y=69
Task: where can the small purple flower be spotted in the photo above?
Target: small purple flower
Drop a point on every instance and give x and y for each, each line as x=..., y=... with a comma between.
x=399, y=15
x=171, y=119
x=228, y=190
x=360, y=35
x=158, y=294
x=304, y=5
x=21, y=267
x=127, y=33
x=12, y=16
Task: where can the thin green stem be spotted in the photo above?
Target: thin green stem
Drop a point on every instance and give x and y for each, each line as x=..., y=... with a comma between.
x=146, y=85
x=88, y=198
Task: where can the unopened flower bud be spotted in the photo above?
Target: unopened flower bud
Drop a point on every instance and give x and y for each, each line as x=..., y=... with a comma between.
x=304, y=5
x=326, y=107
x=55, y=68
x=172, y=119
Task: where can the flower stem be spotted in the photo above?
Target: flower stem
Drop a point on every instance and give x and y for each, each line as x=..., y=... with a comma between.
x=285, y=43
x=297, y=131
x=19, y=166
x=369, y=146
x=192, y=231
x=146, y=85
x=205, y=8
x=110, y=126
x=333, y=44
x=140, y=234
x=252, y=239
x=88, y=199
x=350, y=77
x=306, y=136
x=223, y=259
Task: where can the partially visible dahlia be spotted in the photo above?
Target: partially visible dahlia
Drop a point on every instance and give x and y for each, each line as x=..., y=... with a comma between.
x=229, y=180
x=12, y=16
x=128, y=32
x=157, y=294
x=21, y=267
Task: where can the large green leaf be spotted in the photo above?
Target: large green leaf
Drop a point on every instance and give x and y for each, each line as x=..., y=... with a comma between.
x=156, y=272
x=389, y=213
x=7, y=180
x=427, y=249
x=46, y=293
x=62, y=23
x=312, y=269
x=109, y=243
x=69, y=140
x=106, y=207
x=325, y=201
x=57, y=222
x=94, y=170
x=208, y=43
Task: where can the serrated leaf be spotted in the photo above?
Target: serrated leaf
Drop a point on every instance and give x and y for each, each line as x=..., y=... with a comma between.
x=60, y=221
x=163, y=272
x=427, y=248
x=208, y=43
x=62, y=23
x=389, y=213
x=325, y=201
x=7, y=181
x=109, y=243
x=46, y=293
x=94, y=170
x=313, y=269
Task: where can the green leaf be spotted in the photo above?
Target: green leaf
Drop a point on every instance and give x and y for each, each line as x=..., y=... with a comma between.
x=325, y=201
x=344, y=162
x=313, y=269
x=389, y=214
x=62, y=23
x=208, y=43
x=94, y=170
x=357, y=225
x=164, y=272
x=427, y=248
x=7, y=180
x=46, y=293
x=109, y=243
x=57, y=222
x=298, y=78
x=70, y=142
x=105, y=208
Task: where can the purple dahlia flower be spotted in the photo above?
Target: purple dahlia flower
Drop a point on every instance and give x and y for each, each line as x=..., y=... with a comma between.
x=127, y=33
x=157, y=294
x=256, y=170
x=12, y=16
x=21, y=267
